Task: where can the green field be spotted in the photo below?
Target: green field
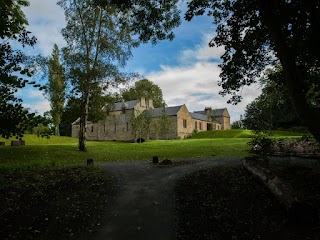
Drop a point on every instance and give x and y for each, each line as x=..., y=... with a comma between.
x=63, y=150
x=239, y=133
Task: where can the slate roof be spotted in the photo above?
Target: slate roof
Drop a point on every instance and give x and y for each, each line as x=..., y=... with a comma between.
x=118, y=106
x=169, y=111
x=199, y=116
x=216, y=112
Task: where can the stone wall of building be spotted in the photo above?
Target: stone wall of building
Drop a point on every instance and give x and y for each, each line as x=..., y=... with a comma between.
x=225, y=122
x=184, y=123
x=199, y=125
x=117, y=125
x=75, y=128
x=157, y=132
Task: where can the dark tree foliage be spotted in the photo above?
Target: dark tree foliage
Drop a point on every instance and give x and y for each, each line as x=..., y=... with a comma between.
x=56, y=88
x=147, y=89
x=70, y=113
x=150, y=20
x=273, y=109
x=14, y=119
x=72, y=110
x=256, y=33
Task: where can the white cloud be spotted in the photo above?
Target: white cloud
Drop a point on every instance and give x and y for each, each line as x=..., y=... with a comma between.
x=33, y=99
x=202, y=51
x=46, y=20
x=39, y=106
x=197, y=87
x=196, y=84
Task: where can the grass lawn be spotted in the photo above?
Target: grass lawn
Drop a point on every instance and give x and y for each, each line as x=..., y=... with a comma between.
x=240, y=133
x=63, y=150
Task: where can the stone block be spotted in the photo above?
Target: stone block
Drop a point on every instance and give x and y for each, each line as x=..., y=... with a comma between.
x=15, y=143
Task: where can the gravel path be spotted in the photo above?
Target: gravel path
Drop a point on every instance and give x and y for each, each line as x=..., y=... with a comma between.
x=144, y=205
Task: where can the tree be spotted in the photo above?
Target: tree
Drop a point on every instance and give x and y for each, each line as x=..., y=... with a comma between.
x=165, y=124
x=56, y=88
x=70, y=113
x=144, y=88
x=272, y=109
x=96, y=45
x=14, y=118
x=72, y=110
x=151, y=20
x=140, y=124
x=237, y=124
x=257, y=33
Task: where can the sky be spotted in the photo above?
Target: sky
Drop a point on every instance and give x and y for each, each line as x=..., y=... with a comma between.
x=186, y=69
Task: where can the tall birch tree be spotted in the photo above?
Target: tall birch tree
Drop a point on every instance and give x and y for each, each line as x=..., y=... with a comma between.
x=97, y=45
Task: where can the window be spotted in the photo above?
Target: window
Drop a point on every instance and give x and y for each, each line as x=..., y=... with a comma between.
x=92, y=129
x=200, y=125
x=196, y=125
x=184, y=123
x=115, y=127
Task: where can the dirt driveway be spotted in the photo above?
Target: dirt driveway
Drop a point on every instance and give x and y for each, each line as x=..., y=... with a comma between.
x=144, y=205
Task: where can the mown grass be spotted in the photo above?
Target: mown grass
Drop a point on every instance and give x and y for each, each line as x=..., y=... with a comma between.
x=239, y=133
x=35, y=140
x=61, y=150
x=54, y=151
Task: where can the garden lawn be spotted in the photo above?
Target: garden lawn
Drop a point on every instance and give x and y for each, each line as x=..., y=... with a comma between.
x=63, y=150
x=240, y=133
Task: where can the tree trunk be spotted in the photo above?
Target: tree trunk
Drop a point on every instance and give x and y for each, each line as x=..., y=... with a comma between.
x=83, y=124
x=294, y=81
x=56, y=130
x=297, y=211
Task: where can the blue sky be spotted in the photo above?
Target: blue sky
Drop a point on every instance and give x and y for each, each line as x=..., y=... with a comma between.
x=186, y=69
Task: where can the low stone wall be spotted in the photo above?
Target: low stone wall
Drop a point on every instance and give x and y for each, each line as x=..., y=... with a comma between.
x=18, y=142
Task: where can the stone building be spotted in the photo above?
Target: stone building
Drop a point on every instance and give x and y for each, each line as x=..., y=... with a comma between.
x=155, y=123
